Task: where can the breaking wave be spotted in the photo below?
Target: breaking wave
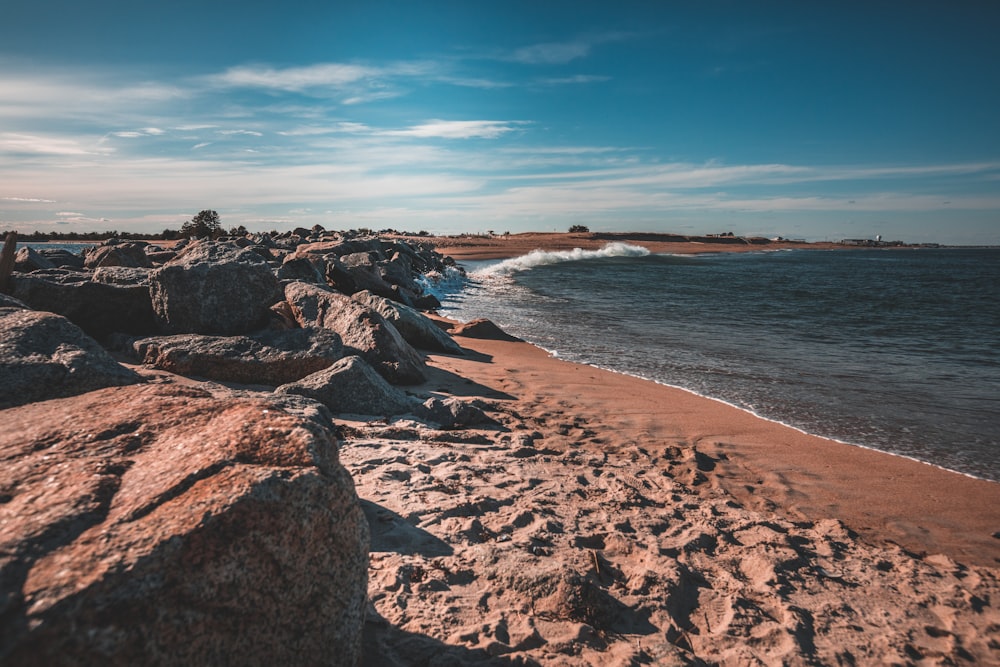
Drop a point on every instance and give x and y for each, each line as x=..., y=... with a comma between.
x=543, y=258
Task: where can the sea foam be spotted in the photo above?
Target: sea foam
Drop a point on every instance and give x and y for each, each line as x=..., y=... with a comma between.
x=542, y=258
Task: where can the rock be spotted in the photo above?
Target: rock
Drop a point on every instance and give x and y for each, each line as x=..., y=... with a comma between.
x=267, y=357
x=122, y=275
x=61, y=257
x=363, y=331
x=162, y=525
x=160, y=257
x=97, y=308
x=213, y=288
x=116, y=254
x=357, y=275
x=415, y=327
x=302, y=268
x=482, y=328
x=11, y=302
x=351, y=386
x=45, y=356
x=452, y=413
x=28, y=259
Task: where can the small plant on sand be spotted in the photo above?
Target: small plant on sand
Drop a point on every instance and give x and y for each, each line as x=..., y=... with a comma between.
x=579, y=229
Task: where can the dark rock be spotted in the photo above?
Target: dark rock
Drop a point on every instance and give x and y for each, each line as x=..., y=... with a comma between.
x=452, y=413
x=97, y=308
x=183, y=529
x=267, y=357
x=44, y=356
x=482, y=328
x=11, y=302
x=302, y=268
x=362, y=330
x=213, y=288
x=415, y=327
x=358, y=275
x=351, y=386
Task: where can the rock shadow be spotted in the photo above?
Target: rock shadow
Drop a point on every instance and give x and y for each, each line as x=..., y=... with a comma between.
x=385, y=645
x=391, y=532
x=443, y=381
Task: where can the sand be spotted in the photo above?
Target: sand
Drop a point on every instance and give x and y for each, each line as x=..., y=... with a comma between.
x=514, y=245
x=607, y=520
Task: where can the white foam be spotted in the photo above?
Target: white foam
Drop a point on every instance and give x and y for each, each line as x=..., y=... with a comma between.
x=545, y=257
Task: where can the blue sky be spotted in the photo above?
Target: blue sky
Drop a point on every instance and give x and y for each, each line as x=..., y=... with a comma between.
x=806, y=120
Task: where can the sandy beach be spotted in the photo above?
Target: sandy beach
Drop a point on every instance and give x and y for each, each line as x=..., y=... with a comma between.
x=610, y=520
x=514, y=245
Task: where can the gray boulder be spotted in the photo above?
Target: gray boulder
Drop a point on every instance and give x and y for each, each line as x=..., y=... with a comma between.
x=45, y=356
x=62, y=258
x=28, y=259
x=271, y=357
x=416, y=328
x=122, y=275
x=213, y=288
x=116, y=254
x=97, y=308
x=302, y=268
x=363, y=331
x=351, y=386
x=162, y=525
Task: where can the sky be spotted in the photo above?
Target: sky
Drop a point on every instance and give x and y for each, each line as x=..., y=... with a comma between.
x=805, y=120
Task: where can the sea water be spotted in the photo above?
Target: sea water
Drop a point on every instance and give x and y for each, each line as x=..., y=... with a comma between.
x=897, y=350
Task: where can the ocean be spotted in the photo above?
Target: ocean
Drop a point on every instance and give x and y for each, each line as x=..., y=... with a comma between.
x=897, y=350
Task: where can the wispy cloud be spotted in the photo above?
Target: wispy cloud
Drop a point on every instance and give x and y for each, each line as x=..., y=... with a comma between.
x=28, y=200
x=551, y=53
x=576, y=79
x=293, y=79
x=458, y=129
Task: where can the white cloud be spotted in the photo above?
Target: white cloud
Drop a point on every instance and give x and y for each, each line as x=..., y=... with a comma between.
x=11, y=142
x=551, y=53
x=576, y=79
x=248, y=133
x=293, y=79
x=458, y=129
x=128, y=135
x=29, y=200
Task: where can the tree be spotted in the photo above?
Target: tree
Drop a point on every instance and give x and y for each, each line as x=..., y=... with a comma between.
x=206, y=223
x=579, y=229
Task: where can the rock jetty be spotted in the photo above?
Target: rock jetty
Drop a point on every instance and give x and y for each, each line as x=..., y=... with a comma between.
x=171, y=490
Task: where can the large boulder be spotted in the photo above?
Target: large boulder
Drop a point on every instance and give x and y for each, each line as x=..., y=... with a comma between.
x=363, y=331
x=416, y=328
x=351, y=386
x=62, y=257
x=44, y=356
x=213, y=288
x=116, y=254
x=270, y=357
x=98, y=308
x=28, y=259
x=162, y=525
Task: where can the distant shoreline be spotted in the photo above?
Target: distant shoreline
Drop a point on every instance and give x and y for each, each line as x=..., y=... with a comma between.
x=506, y=246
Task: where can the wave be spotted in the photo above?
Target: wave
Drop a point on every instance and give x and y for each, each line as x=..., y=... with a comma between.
x=546, y=257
